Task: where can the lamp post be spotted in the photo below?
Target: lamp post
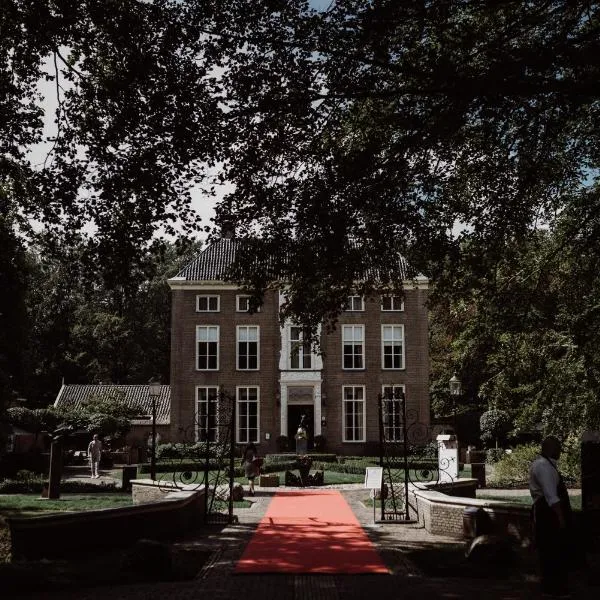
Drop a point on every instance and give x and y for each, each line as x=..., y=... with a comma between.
x=154, y=388
x=455, y=391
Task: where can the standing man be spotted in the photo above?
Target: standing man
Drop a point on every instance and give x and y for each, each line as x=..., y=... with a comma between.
x=94, y=454
x=551, y=519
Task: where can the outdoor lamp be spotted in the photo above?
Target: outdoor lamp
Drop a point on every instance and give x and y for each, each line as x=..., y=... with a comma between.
x=455, y=387
x=455, y=391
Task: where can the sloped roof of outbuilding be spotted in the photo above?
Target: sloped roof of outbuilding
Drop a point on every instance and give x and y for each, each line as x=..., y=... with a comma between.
x=77, y=395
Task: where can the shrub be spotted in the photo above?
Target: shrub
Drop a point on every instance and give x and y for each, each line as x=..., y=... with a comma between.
x=278, y=458
x=512, y=470
x=47, y=417
x=493, y=455
x=168, y=451
x=570, y=459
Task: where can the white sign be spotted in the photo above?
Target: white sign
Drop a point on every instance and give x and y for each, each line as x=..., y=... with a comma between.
x=373, y=478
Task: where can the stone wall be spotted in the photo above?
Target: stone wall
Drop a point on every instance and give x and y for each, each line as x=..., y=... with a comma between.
x=442, y=514
x=68, y=534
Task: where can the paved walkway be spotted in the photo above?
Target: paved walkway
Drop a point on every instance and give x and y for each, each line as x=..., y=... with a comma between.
x=401, y=546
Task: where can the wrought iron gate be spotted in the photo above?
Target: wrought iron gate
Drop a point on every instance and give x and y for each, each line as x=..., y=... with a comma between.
x=209, y=456
x=408, y=455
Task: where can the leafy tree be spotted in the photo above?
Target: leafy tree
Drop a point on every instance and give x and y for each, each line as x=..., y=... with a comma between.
x=105, y=413
x=13, y=315
x=495, y=424
x=349, y=134
x=386, y=124
x=511, y=337
x=23, y=417
x=84, y=331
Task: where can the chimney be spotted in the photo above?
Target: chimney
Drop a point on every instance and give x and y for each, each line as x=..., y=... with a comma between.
x=227, y=230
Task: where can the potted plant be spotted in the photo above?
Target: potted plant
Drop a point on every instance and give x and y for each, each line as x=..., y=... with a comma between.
x=304, y=464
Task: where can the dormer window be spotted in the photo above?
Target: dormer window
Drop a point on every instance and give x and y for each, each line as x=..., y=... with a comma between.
x=355, y=303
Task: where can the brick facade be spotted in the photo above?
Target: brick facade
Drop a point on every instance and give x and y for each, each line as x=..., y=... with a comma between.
x=285, y=391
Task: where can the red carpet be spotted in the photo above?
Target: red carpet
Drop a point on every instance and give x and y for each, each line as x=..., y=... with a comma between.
x=310, y=532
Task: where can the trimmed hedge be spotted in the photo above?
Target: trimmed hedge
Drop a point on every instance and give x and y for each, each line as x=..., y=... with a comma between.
x=182, y=465
x=289, y=456
x=35, y=486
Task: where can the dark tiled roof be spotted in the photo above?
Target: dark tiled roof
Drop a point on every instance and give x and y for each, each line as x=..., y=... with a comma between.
x=75, y=396
x=213, y=262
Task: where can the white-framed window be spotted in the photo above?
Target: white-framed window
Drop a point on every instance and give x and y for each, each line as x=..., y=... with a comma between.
x=355, y=303
x=248, y=411
x=207, y=347
x=353, y=409
x=206, y=303
x=392, y=411
x=242, y=303
x=392, y=303
x=300, y=350
x=248, y=347
x=353, y=347
x=392, y=346
x=207, y=408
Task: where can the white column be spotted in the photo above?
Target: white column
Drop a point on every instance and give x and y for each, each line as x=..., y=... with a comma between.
x=317, y=396
x=283, y=409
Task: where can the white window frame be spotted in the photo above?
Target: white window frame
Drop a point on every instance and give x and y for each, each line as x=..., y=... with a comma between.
x=362, y=416
x=396, y=302
x=351, y=304
x=208, y=298
x=239, y=401
x=238, y=300
x=218, y=342
x=198, y=414
x=239, y=341
x=396, y=427
x=353, y=342
x=302, y=351
x=393, y=343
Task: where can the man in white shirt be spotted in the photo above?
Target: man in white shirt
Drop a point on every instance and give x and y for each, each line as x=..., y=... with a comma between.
x=94, y=454
x=551, y=517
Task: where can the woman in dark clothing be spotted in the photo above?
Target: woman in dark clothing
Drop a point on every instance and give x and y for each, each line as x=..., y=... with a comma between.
x=251, y=461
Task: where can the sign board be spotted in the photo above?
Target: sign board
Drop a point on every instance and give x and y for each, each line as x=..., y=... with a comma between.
x=373, y=478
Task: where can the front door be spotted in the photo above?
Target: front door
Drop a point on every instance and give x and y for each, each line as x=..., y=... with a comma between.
x=295, y=412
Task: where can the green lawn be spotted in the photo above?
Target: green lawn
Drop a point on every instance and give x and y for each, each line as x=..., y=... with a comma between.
x=32, y=504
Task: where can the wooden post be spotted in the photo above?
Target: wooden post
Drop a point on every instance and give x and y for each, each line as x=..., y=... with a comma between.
x=56, y=450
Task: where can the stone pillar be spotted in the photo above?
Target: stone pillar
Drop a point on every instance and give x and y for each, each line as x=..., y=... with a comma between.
x=447, y=458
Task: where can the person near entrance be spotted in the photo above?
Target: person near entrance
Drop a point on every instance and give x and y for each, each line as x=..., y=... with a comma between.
x=94, y=455
x=551, y=515
x=251, y=462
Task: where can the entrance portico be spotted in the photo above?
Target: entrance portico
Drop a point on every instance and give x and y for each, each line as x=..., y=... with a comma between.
x=300, y=393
